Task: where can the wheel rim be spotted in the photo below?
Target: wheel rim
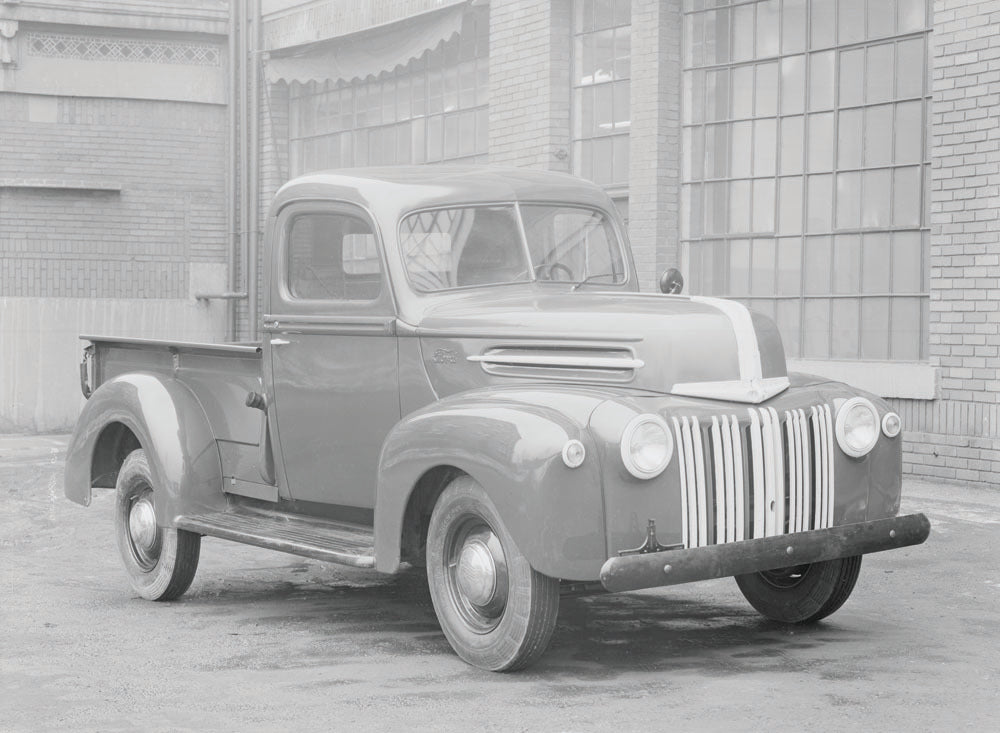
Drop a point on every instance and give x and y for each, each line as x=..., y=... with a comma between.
x=784, y=578
x=144, y=536
x=476, y=573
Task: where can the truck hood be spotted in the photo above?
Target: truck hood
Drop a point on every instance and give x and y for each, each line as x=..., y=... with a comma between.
x=693, y=346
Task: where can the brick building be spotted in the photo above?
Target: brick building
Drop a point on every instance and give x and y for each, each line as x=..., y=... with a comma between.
x=832, y=163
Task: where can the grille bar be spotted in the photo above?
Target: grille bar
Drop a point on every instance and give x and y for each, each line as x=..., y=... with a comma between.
x=770, y=475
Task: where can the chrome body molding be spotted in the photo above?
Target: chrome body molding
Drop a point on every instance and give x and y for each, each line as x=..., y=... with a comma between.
x=576, y=362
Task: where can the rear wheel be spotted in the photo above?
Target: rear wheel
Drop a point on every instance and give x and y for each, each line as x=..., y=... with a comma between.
x=801, y=594
x=496, y=611
x=160, y=561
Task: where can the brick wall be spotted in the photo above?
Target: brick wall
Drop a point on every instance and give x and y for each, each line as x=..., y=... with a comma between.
x=654, y=144
x=957, y=437
x=109, y=198
x=529, y=83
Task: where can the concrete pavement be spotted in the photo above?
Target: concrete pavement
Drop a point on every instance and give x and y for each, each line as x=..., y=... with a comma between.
x=266, y=641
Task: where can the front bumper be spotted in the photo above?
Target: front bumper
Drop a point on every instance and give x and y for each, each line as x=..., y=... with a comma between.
x=672, y=567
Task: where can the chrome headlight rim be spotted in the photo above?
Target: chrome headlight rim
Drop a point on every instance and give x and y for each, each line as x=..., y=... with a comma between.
x=841, y=426
x=887, y=429
x=626, y=445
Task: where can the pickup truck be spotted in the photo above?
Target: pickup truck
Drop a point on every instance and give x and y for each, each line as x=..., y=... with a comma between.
x=457, y=371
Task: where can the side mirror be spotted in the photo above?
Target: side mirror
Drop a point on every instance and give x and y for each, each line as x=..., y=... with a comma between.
x=671, y=281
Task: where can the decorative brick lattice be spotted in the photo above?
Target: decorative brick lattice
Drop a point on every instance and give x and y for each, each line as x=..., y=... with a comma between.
x=92, y=48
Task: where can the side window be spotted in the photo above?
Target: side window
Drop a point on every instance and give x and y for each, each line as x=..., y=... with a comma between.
x=332, y=257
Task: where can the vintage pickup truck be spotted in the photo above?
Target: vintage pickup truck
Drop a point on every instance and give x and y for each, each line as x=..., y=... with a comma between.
x=458, y=371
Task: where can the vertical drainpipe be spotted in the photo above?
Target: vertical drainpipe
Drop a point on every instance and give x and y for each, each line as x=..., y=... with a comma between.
x=232, y=242
x=253, y=61
x=241, y=151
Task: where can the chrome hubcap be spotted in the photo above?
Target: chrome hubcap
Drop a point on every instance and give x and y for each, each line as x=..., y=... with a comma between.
x=142, y=524
x=477, y=573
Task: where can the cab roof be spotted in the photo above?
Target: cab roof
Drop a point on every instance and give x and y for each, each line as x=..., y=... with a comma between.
x=393, y=191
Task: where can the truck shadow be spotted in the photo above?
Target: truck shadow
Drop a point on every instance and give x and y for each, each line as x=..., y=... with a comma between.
x=598, y=637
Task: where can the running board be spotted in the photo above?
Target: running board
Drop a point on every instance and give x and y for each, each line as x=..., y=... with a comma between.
x=320, y=539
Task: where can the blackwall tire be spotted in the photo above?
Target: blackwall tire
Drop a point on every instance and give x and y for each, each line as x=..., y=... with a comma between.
x=802, y=594
x=160, y=561
x=502, y=630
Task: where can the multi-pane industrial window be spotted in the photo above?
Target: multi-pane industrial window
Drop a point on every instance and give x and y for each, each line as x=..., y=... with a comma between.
x=600, y=90
x=432, y=110
x=805, y=168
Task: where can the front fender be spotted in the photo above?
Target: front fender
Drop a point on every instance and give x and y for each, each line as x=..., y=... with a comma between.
x=171, y=427
x=513, y=447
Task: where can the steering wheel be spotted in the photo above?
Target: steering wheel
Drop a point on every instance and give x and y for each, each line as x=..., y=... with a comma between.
x=558, y=266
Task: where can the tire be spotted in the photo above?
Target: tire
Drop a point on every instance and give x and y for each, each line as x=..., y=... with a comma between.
x=499, y=630
x=160, y=561
x=802, y=594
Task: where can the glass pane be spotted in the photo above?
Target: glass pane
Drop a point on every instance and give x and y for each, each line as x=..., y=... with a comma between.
x=621, y=158
x=695, y=35
x=846, y=273
x=787, y=317
x=603, y=152
x=603, y=109
x=482, y=130
x=881, y=18
x=741, y=149
x=762, y=264
x=793, y=26
x=791, y=145
x=767, y=28
x=583, y=112
x=739, y=206
x=695, y=211
x=692, y=96
x=907, y=262
x=739, y=267
x=715, y=208
x=790, y=205
x=604, y=13
x=467, y=133
x=742, y=92
x=623, y=53
x=816, y=263
x=743, y=33
x=621, y=92
x=714, y=263
x=878, y=135
x=717, y=95
x=450, y=136
x=875, y=328
x=906, y=196
x=912, y=15
x=763, y=205
x=875, y=201
x=717, y=37
x=603, y=60
x=821, y=141
x=819, y=212
x=909, y=126
x=878, y=80
x=849, y=138
x=789, y=266
x=686, y=208
x=852, y=77
x=623, y=12
x=848, y=200
x=766, y=101
x=851, y=21
x=925, y=318
x=823, y=23
x=910, y=66
x=716, y=149
x=906, y=333
x=821, y=80
x=844, y=328
x=764, y=142
x=875, y=265
x=793, y=75
x=692, y=271
x=816, y=328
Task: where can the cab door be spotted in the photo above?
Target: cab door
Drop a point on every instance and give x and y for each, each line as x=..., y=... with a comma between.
x=332, y=347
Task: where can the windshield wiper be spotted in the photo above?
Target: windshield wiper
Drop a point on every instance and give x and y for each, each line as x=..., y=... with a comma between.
x=592, y=277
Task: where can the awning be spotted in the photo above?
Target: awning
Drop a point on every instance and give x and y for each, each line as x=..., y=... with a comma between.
x=371, y=51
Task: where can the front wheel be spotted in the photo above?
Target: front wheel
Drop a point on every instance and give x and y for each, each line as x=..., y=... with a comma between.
x=801, y=594
x=496, y=611
x=160, y=561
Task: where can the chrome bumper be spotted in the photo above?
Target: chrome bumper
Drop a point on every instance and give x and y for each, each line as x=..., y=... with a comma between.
x=672, y=567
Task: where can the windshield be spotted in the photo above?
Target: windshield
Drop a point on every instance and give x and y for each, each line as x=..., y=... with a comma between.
x=483, y=245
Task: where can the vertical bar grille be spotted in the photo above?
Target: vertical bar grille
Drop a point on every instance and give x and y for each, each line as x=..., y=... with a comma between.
x=769, y=476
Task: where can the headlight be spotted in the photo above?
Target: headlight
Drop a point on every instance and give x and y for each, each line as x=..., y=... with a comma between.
x=857, y=427
x=647, y=446
x=891, y=424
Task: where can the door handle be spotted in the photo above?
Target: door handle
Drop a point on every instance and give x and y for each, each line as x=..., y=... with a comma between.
x=279, y=342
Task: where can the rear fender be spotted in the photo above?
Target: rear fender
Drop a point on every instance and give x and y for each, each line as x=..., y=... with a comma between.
x=169, y=424
x=514, y=450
